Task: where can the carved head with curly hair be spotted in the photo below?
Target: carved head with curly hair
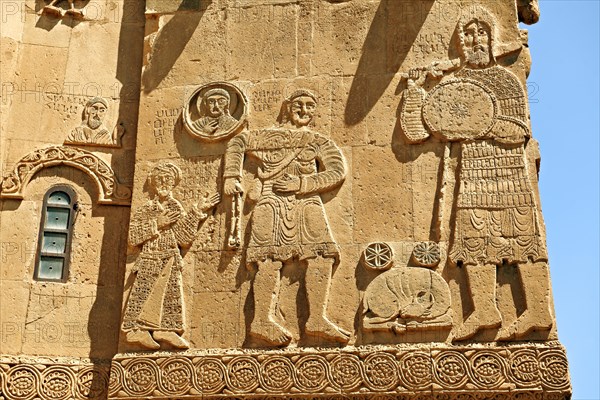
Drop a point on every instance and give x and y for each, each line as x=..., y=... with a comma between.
x=298, y=109
x=163, y=179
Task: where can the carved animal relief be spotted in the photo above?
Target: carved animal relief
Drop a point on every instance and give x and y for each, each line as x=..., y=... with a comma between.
x=409, y=298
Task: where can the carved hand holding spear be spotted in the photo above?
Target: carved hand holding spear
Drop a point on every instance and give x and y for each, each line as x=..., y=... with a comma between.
x=412, y=125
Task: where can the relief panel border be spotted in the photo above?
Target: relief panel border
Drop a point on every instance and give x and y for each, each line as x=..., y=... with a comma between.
x=450, y=372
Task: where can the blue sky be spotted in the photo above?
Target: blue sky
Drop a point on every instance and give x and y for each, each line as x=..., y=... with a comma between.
x=564, y=110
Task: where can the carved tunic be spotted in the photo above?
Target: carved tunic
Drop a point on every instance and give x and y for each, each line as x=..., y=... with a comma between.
x=84, y=134
x=155, y=302
x=286, y=225
x=496, y=215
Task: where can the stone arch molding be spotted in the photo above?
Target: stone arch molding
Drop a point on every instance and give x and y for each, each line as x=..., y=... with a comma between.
x=110, y=191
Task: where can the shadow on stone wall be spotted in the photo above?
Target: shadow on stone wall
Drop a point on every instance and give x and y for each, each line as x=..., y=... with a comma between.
x=378, y=65
x=112, y=265
x=170, y=42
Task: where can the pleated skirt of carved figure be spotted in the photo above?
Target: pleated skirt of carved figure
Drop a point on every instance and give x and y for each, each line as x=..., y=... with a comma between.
x=496, y=214
x=156, y=299
x=288, y=226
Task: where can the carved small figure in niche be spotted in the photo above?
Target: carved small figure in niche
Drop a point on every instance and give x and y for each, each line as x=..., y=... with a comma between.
x=288, y=222
x=407, y=299
x=154, y=311
x=54, y=10
x=92, y=131
x=215, y=111
x=483, y=106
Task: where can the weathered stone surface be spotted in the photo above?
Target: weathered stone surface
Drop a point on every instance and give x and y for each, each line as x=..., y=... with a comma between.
x=516, y=371
x=284, y=198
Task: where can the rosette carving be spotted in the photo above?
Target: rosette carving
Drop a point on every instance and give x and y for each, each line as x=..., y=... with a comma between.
x=175, y=376
x=210, y=375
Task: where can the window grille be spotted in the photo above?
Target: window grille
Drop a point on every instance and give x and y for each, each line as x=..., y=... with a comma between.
x=56, y=231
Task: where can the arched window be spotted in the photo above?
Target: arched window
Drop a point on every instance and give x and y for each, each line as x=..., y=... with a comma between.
x=56, y=231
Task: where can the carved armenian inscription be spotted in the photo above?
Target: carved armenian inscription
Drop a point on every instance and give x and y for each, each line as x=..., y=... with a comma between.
x=280, y=221
x=164, y=123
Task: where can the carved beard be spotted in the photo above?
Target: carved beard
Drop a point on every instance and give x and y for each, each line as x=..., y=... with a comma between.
x=94, y=122
x=301, y=120
x=478, y=56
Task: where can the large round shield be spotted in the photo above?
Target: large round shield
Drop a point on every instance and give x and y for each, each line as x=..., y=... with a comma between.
x=460, y=109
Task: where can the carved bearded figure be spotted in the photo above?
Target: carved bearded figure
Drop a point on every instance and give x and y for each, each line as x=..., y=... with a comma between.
x=92, y=129
x=288, y=222
x=483, y=106
x=161, y=227
x=215, y=116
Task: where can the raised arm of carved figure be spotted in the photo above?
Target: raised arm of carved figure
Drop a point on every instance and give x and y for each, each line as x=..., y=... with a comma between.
x=411, y=114
x=333, y=172
x=234, y=162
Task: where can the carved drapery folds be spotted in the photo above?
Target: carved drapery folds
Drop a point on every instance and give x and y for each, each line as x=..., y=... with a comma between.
x=110, y=191
x=343, y=253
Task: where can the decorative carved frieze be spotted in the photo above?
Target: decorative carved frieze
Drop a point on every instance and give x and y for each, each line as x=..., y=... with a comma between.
x=110, y=191
x=53, y=379
x=440, y=372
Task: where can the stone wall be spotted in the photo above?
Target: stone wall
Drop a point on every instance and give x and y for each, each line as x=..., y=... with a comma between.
x=288, y=198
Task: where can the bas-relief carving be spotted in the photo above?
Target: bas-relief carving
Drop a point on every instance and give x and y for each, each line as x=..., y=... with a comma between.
x=53, y=9
x=92, y=131
x=110, y=191
x=395, y=372
x=215, y=112
x=426, y=254
x=52, y=379
x=153, y=315
x=472, y=102
x=482, y=106
x=288, y=223
x=378, y=257
x=412, y=298
x=509, y=372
